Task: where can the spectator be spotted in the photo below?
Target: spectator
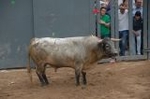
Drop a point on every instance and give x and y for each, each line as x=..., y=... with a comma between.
x=105, y=3
x=123, y=28
x=137, y=28
x=138, y=7
x=104, y=23
x=125, y=2
x=105, y=26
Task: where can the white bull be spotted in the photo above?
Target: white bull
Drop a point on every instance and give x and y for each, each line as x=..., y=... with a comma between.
x=78, y=53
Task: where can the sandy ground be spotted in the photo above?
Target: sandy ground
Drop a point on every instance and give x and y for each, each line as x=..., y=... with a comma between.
x=122, y=80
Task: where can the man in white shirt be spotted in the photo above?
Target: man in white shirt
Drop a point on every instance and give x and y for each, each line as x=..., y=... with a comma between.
x=123, y=28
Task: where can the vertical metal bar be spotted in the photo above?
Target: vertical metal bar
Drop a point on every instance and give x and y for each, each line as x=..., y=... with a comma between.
x=96, y=20
x=33, y=34
x=145, y=19
x=130, y=26
x=98, y=17
x=116, y=34
x=148, y=7
x=112, y=14
x=116, y=19
x=91, y=18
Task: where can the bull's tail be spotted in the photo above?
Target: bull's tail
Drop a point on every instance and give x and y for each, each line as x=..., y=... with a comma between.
x=29, y=67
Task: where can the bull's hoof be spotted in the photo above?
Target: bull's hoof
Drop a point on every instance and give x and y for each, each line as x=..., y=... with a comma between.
x=77, y=84
x=47, y=83
x=83, y=87
x=44, y=84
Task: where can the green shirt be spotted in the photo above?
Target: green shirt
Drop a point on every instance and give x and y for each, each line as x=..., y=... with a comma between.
x=103, y=29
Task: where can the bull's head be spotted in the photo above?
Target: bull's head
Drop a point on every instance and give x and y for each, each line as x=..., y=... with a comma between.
x=108, y=48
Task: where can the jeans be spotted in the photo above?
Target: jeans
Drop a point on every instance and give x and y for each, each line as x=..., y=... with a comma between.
x=123, y=35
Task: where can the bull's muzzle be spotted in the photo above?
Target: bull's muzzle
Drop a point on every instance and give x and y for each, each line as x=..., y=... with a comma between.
x=114, y=54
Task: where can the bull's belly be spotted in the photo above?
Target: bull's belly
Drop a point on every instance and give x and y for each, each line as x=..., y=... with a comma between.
x=89, y=66
x=60, y=63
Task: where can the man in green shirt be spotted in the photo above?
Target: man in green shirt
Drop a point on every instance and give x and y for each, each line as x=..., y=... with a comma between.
x=104, y=23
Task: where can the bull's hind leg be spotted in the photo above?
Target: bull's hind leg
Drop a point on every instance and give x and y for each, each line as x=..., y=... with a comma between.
x=84, y=78
x=40, y=78
x=40, y=70
x=44, y=76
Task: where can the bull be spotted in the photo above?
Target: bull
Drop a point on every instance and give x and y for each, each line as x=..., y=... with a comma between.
x=78, y=53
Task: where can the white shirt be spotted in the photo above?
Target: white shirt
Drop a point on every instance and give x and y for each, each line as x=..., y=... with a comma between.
x=123, y=21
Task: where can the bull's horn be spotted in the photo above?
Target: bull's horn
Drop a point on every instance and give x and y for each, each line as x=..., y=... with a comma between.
x=114, y=39
x=100, y=40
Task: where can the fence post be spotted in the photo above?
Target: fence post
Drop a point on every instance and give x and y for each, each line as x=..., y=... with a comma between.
x=130, y=26
x=148, y=32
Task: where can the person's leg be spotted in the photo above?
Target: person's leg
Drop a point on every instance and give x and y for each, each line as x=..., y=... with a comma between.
x=138, y=38
x=120, y=44
x=133, y=47
x=123, y=43
x=125, y=38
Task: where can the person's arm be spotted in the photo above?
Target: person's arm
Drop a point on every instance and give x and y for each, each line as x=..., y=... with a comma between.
x=104, y=23
x=107, y=25
x=135, y=33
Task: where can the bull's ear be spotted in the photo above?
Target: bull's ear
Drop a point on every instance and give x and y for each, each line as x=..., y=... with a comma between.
x=116, y=40
x=92, y=35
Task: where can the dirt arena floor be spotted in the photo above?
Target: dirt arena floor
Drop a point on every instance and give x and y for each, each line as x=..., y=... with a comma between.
x=121, y=80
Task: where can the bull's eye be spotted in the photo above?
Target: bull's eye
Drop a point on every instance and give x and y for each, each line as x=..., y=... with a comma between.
x=107, y=47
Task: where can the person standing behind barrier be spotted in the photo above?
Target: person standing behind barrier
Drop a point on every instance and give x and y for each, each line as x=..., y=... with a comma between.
x=104, y=23
x=137, y=28
x=123, y=28
x=138, y=7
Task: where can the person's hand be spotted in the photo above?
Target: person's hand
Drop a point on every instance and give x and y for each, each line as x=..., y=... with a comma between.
x=137, y=34
x=102, y=22
x=133, y=31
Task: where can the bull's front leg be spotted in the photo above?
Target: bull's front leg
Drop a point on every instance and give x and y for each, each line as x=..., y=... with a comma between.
x=84, y=78
x=78, y=69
